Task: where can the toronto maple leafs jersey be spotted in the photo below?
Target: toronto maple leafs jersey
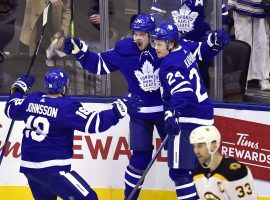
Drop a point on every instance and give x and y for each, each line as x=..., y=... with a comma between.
x=140, y=69
x=49, y=129
x=231, y=180
x=187, y=15
x=183, y=90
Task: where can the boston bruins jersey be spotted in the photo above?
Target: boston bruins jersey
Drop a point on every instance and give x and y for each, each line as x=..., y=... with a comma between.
x=231, y=180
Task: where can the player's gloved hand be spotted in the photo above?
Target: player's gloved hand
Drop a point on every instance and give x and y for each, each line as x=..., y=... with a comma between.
x=22, y=84
x=74, y=46
x=129, y=104
x=172, y=127
x=218, y=39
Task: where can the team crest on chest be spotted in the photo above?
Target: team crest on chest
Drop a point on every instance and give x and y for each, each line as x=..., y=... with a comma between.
x=148, y=77
x=184, y=19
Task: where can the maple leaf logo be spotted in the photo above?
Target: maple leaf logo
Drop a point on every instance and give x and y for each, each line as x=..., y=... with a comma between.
x=184, y=19
x=148, y=77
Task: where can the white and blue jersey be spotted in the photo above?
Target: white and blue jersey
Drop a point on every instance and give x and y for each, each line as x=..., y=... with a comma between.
x=183, y=89
x=49, y=129
x=140, y=69
x=250, y=8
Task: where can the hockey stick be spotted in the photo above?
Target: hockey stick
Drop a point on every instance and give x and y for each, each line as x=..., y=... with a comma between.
x=45, y=17
x=72, y=28
x=148, y=168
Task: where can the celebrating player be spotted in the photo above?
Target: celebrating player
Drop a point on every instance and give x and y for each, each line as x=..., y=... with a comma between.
x=186, y=104
x=50, y=120
x=139, y=64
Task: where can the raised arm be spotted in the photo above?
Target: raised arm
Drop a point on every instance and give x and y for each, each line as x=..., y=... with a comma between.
x=14, y=108
x=103, y=63
x=205, y=51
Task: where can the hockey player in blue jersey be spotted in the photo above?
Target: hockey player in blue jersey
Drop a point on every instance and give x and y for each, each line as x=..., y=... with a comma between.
x=50, y=120
x=139, y=64
x=186, y=105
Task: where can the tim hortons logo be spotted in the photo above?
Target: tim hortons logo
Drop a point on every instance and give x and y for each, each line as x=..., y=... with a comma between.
x=246, y=150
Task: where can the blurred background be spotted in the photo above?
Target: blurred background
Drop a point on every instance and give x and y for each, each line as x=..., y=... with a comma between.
x=20, y=29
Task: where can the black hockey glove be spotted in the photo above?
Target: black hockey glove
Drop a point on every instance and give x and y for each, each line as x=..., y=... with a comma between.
x=75, y=46
x=172, y=126
x=22, y=84
x=218, y=39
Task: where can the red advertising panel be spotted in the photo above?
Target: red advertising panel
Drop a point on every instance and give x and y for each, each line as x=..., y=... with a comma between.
x=248, y=142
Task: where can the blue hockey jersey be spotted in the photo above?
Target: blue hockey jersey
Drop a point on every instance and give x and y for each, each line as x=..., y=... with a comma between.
x=140, y=69
x=183, y=89
x=187, y=15
x=49, y=129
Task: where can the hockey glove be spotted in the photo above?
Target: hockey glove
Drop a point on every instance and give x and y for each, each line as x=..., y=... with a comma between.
x=172, y=127
x=129, y=104
x=75, y=46
x=218, y=39
x=22, y=84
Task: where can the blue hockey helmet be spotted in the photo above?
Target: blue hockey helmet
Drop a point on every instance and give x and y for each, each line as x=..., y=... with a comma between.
x=166, y=32
x=143, y=23
x=55, y=80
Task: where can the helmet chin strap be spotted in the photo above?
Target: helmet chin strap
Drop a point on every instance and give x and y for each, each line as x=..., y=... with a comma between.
x=211, y=160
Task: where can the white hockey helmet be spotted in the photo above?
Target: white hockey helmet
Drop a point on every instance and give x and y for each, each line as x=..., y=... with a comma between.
x=205, y=134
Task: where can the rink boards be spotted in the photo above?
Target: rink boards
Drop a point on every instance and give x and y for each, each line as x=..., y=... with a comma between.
x=101, y=158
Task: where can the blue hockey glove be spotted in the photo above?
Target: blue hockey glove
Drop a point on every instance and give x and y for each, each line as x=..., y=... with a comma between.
x=22, y=84
x=129, y=104
x=172, y=127
x=218, y=39
x=74, y=46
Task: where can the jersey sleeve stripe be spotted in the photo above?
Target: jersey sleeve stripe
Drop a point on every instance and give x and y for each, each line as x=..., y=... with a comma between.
x=97, y=123
x=158, y=10
x=89, y=122
x=185, y=186
x=102, y=65
x=183, y=90
x=197, y=52
x=8, y=109
x=179, y=85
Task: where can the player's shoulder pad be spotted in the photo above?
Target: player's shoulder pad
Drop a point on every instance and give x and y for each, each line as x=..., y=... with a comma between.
x=126, y=46
x=232, y=170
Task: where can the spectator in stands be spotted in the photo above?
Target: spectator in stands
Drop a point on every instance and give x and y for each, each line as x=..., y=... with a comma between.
x=94, y=16
x=60, y=16
x=7, y=23
x=251, y=26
